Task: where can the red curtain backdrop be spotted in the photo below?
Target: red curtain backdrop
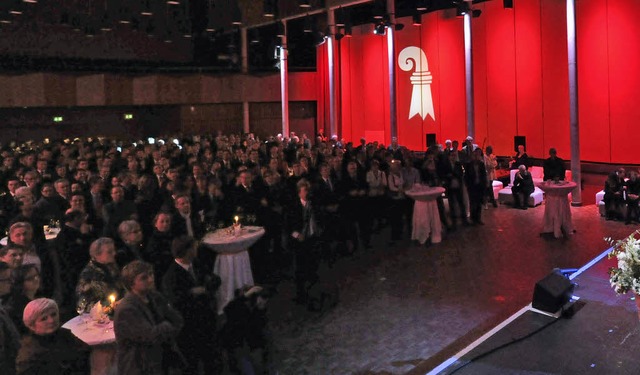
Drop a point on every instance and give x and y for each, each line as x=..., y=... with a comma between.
x=520, y=79
x=362, y=74
x=608, y=71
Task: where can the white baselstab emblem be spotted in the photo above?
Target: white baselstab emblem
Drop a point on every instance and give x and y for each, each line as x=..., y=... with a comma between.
x=421, y=101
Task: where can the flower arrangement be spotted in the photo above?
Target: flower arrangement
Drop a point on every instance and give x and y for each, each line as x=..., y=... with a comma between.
x=626, y=276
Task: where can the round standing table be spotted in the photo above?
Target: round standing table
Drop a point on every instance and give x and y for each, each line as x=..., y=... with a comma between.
x=557, y=211
x=232, y=263
x=426, y=218
x=101, y=339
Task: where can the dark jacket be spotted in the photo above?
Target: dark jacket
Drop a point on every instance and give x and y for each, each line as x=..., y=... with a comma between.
x=145, y=333
x=9, y=344
x=58, y=353
x=97, y=281
x=199, y=311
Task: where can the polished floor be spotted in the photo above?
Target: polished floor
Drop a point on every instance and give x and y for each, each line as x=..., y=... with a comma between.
x=406, y=309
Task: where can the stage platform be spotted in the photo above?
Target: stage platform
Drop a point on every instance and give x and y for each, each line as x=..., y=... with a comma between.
x=602, y=336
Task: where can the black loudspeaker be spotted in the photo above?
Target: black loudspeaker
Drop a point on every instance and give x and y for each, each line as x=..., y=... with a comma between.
x=519, y=140
x=552, y=292
x=431, y=139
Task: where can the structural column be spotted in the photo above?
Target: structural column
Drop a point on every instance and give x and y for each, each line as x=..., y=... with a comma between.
x=333, y=118
x=245, y=70
x=284, y=83
x=468, y=67
x=574, y=127
x=391, y=54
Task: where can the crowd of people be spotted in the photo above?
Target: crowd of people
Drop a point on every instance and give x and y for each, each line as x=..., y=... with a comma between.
x=131, y=216
x=622, y=196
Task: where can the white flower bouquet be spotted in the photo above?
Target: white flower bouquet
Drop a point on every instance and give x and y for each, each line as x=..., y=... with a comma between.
x=626, y=276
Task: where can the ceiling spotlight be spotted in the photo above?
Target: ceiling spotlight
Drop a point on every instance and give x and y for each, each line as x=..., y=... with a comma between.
x=30, y=1
x=308, y=25
x=281, y=30
x=269, y=8
x=255, y=37
x=146, y=11
x=173, y=2
x=305, y=3
x=417, y=19
x=348, y=30
x=421, y=5
x=339, y=16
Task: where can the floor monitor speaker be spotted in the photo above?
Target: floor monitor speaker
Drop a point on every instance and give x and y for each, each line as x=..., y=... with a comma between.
x=552, y=292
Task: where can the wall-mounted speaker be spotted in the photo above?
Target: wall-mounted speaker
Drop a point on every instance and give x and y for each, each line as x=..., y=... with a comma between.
x=431, y=139
x=519, y=140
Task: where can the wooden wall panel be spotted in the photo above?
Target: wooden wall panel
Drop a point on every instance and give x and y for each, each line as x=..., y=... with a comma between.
x=90, y=90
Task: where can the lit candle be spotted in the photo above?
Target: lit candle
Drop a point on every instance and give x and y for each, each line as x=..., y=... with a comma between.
x=112, y=298
x=236, y=219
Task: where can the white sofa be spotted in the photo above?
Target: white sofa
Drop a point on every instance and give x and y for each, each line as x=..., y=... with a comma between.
x=505, y=196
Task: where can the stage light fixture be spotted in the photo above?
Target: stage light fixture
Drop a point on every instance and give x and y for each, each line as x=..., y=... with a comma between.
x=255, y=37
x=462, y=9
x=399, y=26
x=305, y=3
x=173, y=2
x=380, y=29
x=421, y=5
x=319, y=38
x=378, y=10
x=507, y=4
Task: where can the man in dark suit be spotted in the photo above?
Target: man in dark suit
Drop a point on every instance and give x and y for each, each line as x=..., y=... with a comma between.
x=476, y=182
x=553, y=166
x=185, y=220
x=302, y=229
x=117, y=211
x=191, y=290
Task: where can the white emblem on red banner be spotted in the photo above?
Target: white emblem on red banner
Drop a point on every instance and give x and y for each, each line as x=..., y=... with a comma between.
x=421, y=101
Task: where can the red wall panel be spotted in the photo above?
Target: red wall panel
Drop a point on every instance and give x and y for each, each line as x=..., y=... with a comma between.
x=479, y=47
x=501, y=77
x=593, y=78
x=624, y=79
x=528, y=67
x=366, y=88
x=555, y=77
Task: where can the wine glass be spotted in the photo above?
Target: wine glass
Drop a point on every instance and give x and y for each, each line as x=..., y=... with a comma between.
x=81, y=308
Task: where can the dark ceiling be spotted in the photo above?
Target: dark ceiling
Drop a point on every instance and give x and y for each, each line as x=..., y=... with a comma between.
x=153, y=35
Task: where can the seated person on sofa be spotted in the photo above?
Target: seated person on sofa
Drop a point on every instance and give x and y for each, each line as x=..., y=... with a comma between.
x=522, y=187
x=613, y=199
x=553, y=166
x=632, y=187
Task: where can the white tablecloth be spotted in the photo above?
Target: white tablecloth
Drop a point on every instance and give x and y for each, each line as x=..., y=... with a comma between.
x=232, y=263
x=557, y=211
x=49, y=235
x=426, y=218
x=102, y=340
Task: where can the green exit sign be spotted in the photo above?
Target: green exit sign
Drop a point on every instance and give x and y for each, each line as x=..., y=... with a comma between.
x=128, y=116
x=58, y=119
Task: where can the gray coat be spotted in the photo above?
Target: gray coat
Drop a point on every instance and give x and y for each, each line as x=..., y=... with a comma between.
x=144, y=338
